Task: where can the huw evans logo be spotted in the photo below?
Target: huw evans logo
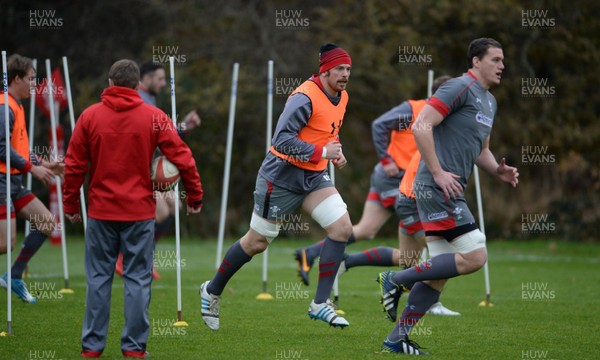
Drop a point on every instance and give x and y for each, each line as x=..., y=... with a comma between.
x=284, y=86
x=537, y=224
x=44, y=20
x=414, y=55
x=537, y=155
x=537, y=19
x=162, y=53
x=536, y=291
x=291, y=20
x=290, y=291
x=537, y=87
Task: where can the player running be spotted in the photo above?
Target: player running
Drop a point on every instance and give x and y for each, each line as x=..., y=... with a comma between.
x=395, y=146
x=21, y=81
x=294, y=174
x=452, y=134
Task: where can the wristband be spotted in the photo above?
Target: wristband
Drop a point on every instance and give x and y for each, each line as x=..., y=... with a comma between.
x=324, y=154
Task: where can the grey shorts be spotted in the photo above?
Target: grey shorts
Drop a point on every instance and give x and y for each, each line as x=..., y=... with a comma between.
x=273, y=203
x=20, y=196
x=408, y=215
x=449, y=218
x=384, y=189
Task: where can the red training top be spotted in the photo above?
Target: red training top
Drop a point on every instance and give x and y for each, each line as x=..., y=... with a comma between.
x=117, y=137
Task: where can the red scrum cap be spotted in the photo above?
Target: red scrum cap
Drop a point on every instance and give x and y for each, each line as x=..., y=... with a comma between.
x=331, y=56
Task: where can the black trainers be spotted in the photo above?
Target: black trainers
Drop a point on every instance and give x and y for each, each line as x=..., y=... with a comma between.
x=390, y=294
x=403, y=346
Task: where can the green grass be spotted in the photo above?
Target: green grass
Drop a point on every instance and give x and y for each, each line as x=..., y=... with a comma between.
x=564, y=327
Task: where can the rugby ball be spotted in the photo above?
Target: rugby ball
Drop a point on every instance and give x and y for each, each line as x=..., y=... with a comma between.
x=164, y=174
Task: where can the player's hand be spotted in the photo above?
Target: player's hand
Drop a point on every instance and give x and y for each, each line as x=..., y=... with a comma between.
x=334, y=149
x=74, y=218
x=340, y=162
x=449, y=184
x=57, y=167
x=193, y=210
x=391, y=169
x=42, y=173
x=192, y=120
x=507, y=173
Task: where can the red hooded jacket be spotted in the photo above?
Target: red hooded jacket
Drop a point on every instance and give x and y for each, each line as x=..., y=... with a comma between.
x=117, y=138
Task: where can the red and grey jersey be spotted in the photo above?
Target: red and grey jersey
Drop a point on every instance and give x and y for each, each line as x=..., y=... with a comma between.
x=468, y=111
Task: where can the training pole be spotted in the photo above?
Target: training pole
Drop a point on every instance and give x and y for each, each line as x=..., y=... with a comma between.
x=31, y=138
x=179, y=321
x=72, y=121
x=265, y=294
x=7, y=200
x=486, y=271
x=225, y=193
x=429, y=83
x=61, y=214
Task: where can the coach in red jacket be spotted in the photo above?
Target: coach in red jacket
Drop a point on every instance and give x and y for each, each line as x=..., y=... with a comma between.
x=117, y=138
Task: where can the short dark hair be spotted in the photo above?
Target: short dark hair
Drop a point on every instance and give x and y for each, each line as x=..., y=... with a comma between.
x=438, y=82
x=17, y=65
x=150, y=67
x=125, y=73
x=479, y=47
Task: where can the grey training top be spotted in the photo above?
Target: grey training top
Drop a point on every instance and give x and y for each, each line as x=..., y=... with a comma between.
x=469, y=112
x=295, y=115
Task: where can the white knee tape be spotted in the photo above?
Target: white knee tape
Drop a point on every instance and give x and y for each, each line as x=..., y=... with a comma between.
x=265, y=228
x=470, y=241
x=329, y=210
x=438, y=247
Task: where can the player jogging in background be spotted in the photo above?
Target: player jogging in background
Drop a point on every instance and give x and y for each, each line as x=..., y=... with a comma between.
x=293, y=175
x=116, y=139
x=152, y=80
x=21, y=80
x=395, y=147
x=452, y=134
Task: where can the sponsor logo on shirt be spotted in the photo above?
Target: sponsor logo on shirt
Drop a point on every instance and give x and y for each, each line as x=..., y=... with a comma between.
x=483, y=119
x=437, y=216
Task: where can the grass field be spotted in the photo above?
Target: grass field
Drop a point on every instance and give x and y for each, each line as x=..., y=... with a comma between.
x=545, y=296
